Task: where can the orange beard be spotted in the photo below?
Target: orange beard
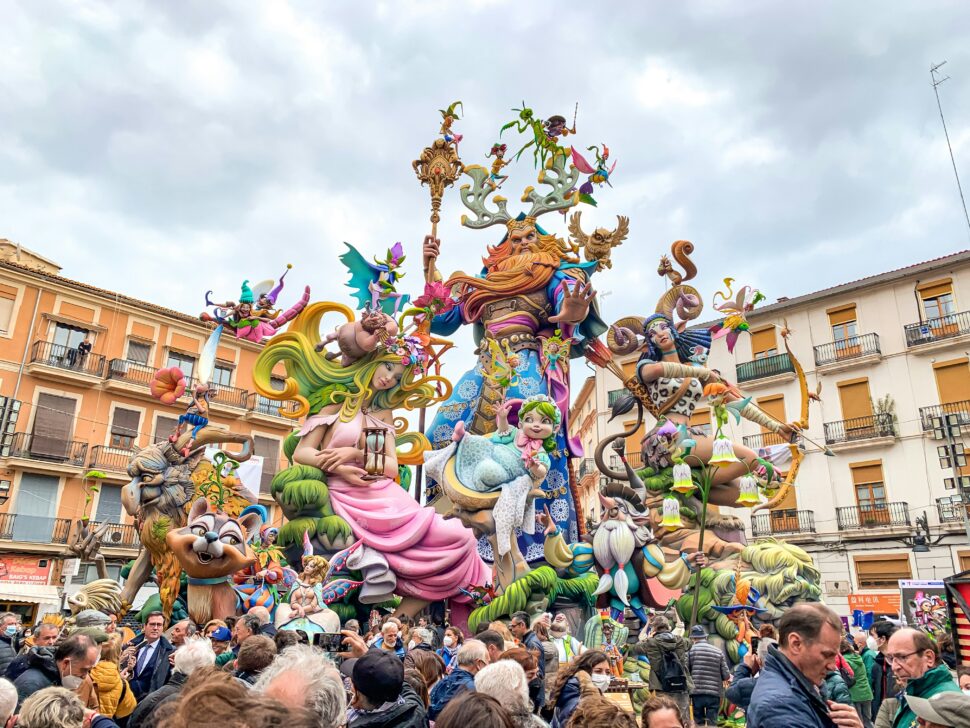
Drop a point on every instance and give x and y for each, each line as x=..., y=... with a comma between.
x=506, y=276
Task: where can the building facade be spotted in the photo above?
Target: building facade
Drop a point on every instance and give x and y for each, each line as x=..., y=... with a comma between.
x=66, y=412
x=888, y=355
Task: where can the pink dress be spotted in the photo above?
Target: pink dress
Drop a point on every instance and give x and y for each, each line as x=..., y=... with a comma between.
x=431, y=557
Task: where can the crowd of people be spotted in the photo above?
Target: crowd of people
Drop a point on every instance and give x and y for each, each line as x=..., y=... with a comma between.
x=529, y=673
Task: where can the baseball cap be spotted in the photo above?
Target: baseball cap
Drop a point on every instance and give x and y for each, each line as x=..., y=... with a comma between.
x=221, y=634
x=379, y=675
x=949, y=709
x=698, y=631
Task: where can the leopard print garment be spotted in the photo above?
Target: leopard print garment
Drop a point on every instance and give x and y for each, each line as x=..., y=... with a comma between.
x=662, y=389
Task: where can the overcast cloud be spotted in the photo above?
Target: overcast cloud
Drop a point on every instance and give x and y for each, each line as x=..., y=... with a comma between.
x=165, y=148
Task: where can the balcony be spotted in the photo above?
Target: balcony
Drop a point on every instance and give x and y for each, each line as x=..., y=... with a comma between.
x=634, y=458
x=940, y=332
x=118, y=535
x=928, y=414
x=111, y=460
x=767, y=370
x=785, y=522
x=229, y=399
x=63, y=363
x=263, y=408
x=949, y=509
x=879, y=515
x=129, y=376
x=764, y=439
x=34, y=529
x=861, y=430
x=849, y=352
x=46, y=453
x=587, y=466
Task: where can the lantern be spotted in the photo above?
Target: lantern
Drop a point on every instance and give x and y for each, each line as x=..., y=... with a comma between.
x=671, y=514
x=374, y=438
x=723, y=452
x=683, y=482
x=749, y=492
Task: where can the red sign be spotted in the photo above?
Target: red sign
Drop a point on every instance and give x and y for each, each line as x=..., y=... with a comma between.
x=25, y=569
x=879, y=603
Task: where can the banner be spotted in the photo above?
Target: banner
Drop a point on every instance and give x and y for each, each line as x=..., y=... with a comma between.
x=888, y=604
x=924, y=606
x=25, y=569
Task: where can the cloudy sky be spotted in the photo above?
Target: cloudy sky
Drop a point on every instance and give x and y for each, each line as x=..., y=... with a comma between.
x=163, y=149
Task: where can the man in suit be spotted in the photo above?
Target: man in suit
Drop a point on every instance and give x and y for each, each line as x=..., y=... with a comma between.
x=147, y=663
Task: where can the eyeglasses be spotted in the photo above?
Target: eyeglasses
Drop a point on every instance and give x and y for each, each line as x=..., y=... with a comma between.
x=901, y=656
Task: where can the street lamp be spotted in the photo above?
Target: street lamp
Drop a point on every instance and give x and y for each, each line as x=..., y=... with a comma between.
x=920, y=541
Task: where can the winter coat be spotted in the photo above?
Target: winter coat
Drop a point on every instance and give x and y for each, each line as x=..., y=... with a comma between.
x=708, y=668
x=450, y=656
x=883, y=682
x=88, y=693
x=861, y=690
x=784, y=697
x=41, y=673
x=884, y=718
x=835, y=689
x=144, y=715
x=408, y=713
x=741, y=687
x=19, y=664
x=578, y=687
x=447, y=688
x=7, y=652
x=398, y=648
x=115, y=698
x=102, y=721
x=934, y=681
x=655, y=647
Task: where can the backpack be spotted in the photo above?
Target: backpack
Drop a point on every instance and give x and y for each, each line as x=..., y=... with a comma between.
x=672, y=676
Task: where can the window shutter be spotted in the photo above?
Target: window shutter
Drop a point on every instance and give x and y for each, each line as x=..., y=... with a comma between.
x=882, y=572
x=953, y=381
x=269, y=450
x=855, y=398
x=164, y=426
x=933, y=289
x=139, y=351
x=866, y=473
x=109, y=504
x=125, y=423
x=762, y=341
x=53, y=423
x=842, y=315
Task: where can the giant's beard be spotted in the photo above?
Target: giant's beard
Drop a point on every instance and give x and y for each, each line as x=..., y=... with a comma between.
x=613, y=544
x=512, y=275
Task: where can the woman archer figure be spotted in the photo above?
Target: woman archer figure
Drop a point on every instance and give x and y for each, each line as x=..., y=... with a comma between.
x=405, y=549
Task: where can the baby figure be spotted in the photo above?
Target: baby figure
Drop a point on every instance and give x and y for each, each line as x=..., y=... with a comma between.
x=356, y=339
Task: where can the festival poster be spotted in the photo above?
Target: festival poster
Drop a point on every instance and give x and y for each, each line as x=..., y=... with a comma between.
x=924, y=606
x=25, y=569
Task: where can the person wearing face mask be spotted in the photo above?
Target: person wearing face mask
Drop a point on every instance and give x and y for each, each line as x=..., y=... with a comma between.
x=472, y=657
x=586, y=676
x=421, y=639
x=8, y=637
x=66, y=666
x=449, y=653
x=881, y=678
x=963, y=679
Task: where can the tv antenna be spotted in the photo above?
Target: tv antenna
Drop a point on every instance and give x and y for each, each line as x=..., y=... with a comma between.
x=934, y=73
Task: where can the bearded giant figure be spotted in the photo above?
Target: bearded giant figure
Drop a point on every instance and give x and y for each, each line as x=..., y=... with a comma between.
x=534, y=300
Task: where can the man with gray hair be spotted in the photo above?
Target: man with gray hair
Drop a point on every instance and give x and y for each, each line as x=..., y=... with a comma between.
x=421, y=639
x=472, y=657
x=266, y=626
x=8, y=637
x=8, y=700
x=301, y=675
x=195, y=654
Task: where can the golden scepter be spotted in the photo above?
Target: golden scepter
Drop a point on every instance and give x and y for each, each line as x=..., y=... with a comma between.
x=438, y=167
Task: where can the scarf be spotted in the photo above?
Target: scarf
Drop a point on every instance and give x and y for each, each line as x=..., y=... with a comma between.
x=528, y=447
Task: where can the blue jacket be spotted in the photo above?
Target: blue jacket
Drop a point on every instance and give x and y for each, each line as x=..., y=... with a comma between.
x=398, y=648
x=741, y=687
x=566, y=703
x=447, y=688
x=784, y=697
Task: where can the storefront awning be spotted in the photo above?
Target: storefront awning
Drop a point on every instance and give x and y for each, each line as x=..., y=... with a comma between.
x=32, y=593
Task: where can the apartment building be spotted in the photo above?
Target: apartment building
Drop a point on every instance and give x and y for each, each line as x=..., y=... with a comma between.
x=64, y=413
x=890, y=353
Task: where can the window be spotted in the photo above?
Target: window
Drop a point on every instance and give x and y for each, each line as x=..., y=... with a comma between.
x=8, y=296
x=109, y=504
x=269, y=450
x=952, y=380
x=69, y=336
x=185, y=362
x=701, y=419
x=139, y=351
x=35, y=508
x=88, y=572
x=277, y=383
x=164, y=426
x=764, y=343
x=964, y=560
x=773, y=405
x=124, y=428
x=855, y=398
x=222, y=375
x=937, y=298
x=883, y=571
x=870, y=492
x=613, y=395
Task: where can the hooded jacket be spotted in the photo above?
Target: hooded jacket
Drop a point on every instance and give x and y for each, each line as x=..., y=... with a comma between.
x=447, y=688
x=935, y=680
x=114, y=694
x=783, y=696
x=655, y=647
x=409, y=712
x=861, y=690
x=41, y=673
x=144, y=715
x=576, y=688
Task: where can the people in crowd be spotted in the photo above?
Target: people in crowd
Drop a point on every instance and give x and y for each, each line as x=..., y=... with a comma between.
x=506, y=681
x=421, y=639
x=472, y=657
x=284, y=638
x=180, y=632
x=60, y=707
x=304, y=676
x=669, y=671
x=145, y=663
x=660, y=711
x=8, y=700
x=787, y=690
x=767, y=636
x=963, y=678
x=428, y=664
x=916, y=665
x=381, y=698
x=193, y=656
x=438, y=625
x=266, y=625
x=494, y=642
x=416, y=680
x=221, y=640
x=45, y=635
x=255, y=655
x=115, y=697
x=598, y=711
x=519, y=626
x=943, y=710
x=503, y=629
x=474, y=709
x=567, y=646
x=586, y=676
x=860, y=692
x=708, y=671
x=743, y=681
x=390, y=640
x=881, y=675
x=8, y=637
x=67, y=666
x=550, y=655
x=530, y=667
x=947, y=650
x=451, y=641
x=835, y=688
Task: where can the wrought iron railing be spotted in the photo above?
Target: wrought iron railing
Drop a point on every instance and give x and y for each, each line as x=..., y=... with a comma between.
x=65, y=357
x=36, y=529
x=133, y=372
x=937, y=329
x=587, y=466
x=118, y=535
x=271, y=407
x=763, y=439
x=634, y=458
x=769, y=366
x=784, y=521
x=105, y=457
x=881, y=424
x=949, y=510
x=851, y=347
x=871, y=516
x=50, y=449
x=928, y=414
x=230, y=396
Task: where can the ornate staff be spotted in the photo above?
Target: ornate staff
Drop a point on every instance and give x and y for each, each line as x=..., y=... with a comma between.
x=438, y=167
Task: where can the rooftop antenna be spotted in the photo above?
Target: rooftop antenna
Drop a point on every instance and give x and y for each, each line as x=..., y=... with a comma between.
x=934, y=72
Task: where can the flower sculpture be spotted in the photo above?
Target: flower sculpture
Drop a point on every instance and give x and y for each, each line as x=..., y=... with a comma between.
x=436, y=299
x=168, y=385
x=749, y=492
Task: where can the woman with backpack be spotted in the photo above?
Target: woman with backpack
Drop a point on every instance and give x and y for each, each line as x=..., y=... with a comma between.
x=860, y=690
x=587, y=675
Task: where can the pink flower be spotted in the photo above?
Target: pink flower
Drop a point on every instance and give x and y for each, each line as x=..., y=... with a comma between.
x=436, y=298
x=168, y=385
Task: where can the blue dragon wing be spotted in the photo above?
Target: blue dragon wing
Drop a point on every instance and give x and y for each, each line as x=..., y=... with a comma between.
x=362, y=274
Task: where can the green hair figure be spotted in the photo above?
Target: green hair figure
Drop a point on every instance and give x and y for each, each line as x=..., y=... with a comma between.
x=547, y=408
